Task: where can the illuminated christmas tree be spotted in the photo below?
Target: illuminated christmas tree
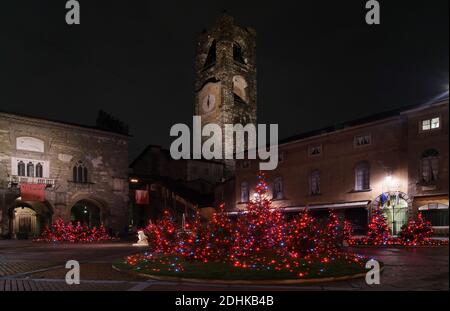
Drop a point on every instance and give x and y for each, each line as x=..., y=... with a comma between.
x=60, y=231
x=46, y=235
x=302, y=236
x=378, y=232
x=260, y=228
x=162, y=236
x=220, y=235
x=332, y=237
x=192, y=239
x=416, y=232
x=348, y=230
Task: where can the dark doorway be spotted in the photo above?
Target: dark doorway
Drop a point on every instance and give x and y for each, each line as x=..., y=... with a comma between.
x=86, y=213
x=358, y=218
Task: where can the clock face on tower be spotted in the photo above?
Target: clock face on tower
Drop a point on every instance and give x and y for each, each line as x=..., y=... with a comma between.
x=208, y=103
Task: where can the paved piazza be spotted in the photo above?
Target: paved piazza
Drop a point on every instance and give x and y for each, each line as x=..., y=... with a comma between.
x=40, y=267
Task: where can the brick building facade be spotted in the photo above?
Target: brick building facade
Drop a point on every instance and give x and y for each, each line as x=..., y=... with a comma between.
x=84, y=170
x=181, y=186
x=402, y=155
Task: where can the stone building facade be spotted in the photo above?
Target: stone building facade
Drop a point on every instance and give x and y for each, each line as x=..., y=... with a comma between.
x=181, y=186
x=84, y=170
x=226, y=76
x=157, y=161
x=397, y=161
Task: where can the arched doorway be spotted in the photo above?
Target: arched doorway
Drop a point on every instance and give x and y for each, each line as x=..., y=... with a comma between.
x=396, y=207
x=24, y=222
x=86, y=212
x=27, y=219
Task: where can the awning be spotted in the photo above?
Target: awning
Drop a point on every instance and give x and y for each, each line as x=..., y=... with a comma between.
x=433, y=206
x=334, y=206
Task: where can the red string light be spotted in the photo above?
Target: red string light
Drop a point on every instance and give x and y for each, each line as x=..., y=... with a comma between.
x=67, y=232
x=261, y=239
x=415, y=233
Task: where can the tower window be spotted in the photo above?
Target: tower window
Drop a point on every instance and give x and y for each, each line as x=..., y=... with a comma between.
x=211, y=58
x=237, y=54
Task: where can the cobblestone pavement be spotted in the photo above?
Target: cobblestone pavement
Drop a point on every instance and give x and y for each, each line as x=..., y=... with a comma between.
x=18, y=267
x=60, y=285
x=28, y=266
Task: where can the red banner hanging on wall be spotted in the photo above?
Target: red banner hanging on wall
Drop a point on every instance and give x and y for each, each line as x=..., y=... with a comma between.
x=142, y=197
x=32, y=192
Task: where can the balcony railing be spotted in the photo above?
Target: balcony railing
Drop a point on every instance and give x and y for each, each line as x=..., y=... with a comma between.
x=17, y=180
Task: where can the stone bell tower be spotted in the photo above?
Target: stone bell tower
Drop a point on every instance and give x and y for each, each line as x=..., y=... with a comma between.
x=226, y=76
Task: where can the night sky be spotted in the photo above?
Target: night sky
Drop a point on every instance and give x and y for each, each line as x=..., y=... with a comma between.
x=319, y=63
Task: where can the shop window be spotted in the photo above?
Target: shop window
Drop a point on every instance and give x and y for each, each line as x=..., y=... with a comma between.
x=437, y=214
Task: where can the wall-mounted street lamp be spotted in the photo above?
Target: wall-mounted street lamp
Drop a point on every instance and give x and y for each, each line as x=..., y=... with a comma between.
x=389, y=177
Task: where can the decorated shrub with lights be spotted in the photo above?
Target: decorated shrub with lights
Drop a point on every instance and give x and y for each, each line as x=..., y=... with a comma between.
x=68, y=232
x=332, y=235
x=348, y=230
x=378, y=232
x=303, y=235
x=416, y=232
x=162, y=236
x=220, y=235
x=192, y=240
